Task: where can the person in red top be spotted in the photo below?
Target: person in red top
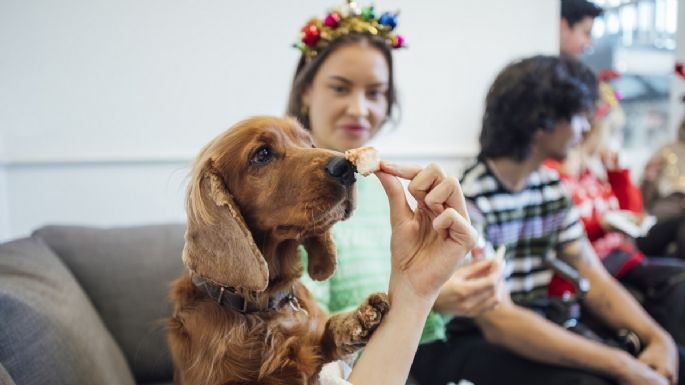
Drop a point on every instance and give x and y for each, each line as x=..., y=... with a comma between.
x=612, y=211
x=597, y=196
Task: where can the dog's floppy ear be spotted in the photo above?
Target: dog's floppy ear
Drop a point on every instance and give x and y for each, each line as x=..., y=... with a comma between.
x=219, y=246
x=320, y=256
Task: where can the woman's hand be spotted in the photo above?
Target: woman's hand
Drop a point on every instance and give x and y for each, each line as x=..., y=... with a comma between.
x=427, y=243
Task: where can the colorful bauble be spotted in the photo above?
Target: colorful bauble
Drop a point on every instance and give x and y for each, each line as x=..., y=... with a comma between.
x=332, y=20
x=388, y=19
x=398, y=41
x=310, y=34
x=367, y=13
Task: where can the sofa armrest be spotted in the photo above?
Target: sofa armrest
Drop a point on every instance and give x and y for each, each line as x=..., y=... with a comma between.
x=5, y=378
x=50, y=331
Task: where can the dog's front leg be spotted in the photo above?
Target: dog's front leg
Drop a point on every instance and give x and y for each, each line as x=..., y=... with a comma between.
x=346, y=333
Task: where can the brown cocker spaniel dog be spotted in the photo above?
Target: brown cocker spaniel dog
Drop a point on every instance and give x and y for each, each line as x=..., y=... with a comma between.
x=258, y=192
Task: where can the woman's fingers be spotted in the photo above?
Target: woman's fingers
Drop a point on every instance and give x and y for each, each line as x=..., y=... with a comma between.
x=430, y=187
x=453, y=226
x=445, y=194
x=402, y=171
x=424, y=182
x=399, y=208
x=422, y=179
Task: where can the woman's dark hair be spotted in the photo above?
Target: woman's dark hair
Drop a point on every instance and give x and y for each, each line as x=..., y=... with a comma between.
x=576, y=10
x=308, y=67
x=530, y=95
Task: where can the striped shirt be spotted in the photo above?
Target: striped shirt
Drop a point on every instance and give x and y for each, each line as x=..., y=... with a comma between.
x=363, y=258
x=532, y=223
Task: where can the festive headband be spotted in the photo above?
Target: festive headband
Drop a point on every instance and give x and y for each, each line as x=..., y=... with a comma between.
x=609, y=97
x=317, y=34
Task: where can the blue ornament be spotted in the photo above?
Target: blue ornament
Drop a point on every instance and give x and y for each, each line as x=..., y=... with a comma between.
x=388, y=19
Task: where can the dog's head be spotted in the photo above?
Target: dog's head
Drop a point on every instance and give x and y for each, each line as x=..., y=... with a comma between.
x=260, y=182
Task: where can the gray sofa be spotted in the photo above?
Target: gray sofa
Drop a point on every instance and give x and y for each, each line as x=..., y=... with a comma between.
x=81, y=305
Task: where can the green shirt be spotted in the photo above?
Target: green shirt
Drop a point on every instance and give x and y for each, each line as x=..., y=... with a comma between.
x=363, y=258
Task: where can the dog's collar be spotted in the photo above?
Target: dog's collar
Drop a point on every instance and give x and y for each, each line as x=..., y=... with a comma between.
x=227, y=296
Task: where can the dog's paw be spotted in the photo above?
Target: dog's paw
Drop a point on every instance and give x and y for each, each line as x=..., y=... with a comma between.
x=355, y=328
x=369, y=315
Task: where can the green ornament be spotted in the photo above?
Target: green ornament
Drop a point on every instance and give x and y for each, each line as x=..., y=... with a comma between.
x=299, y=45
x=367, y=13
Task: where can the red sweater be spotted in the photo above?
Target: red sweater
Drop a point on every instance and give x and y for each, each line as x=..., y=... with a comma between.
x=595, y=197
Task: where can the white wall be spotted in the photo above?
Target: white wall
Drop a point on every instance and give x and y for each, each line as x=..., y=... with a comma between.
x=103, y=104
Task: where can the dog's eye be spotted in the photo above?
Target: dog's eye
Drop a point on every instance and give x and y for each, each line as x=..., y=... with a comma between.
x=262, y=156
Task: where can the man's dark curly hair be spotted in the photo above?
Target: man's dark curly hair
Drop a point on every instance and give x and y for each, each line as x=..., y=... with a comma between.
x=576, y=10
x=530, y=95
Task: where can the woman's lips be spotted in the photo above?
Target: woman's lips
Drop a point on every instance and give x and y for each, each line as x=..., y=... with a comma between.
x=354, y=129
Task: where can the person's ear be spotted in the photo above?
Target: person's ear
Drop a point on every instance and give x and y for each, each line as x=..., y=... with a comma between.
x=306, y=98
x=540, y=135
x=564, y=26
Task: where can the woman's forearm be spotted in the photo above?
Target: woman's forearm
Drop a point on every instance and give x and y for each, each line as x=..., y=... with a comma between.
x=388, y=355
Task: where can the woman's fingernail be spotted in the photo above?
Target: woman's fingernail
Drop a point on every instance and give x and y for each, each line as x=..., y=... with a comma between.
x=390, y=166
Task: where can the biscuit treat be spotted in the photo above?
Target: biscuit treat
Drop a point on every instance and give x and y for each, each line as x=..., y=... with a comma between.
x=364, y=159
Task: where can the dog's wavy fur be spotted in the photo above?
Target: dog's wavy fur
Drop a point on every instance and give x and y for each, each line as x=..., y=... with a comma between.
x=258, y=192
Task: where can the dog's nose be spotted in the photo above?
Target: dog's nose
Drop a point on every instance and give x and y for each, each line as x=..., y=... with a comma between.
x=341, y=170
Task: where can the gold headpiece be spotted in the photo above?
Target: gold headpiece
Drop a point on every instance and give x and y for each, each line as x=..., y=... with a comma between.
x=349, y=18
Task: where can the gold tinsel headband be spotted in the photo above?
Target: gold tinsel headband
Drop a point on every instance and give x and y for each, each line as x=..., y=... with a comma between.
x=349, y=18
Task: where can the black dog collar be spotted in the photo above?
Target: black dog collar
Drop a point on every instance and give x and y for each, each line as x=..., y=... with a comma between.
x=227, y=296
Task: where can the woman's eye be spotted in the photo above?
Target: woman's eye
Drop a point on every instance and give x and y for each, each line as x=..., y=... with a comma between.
x=262, y=156
x=374, y=94
x=339, y=89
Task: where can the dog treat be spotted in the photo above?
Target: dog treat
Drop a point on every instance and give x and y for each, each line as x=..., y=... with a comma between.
x=365, y=159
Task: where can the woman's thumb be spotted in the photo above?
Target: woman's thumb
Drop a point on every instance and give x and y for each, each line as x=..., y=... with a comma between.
x=399, y=208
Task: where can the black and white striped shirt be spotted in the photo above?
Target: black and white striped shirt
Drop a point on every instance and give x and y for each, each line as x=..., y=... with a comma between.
x=532, y=223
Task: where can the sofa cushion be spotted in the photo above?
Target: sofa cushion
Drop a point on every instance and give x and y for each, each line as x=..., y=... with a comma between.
x=50, y=333
x=127, y=272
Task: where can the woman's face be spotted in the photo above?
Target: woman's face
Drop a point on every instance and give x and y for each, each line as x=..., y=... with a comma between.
x=347, y=99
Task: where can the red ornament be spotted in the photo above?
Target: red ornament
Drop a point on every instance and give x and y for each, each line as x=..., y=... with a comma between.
x=332, y=20
x=310, y=34
x=680, y=70
x=608, y=74
x=398, y=41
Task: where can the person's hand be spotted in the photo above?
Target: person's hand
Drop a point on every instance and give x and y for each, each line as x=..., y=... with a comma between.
x=634, y=372
x=472, y=290
x=609, y=159
x=661, y=355
x=621, y=220
x=428, y=243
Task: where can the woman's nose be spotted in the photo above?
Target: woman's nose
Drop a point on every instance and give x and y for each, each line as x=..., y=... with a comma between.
x=357, y=105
